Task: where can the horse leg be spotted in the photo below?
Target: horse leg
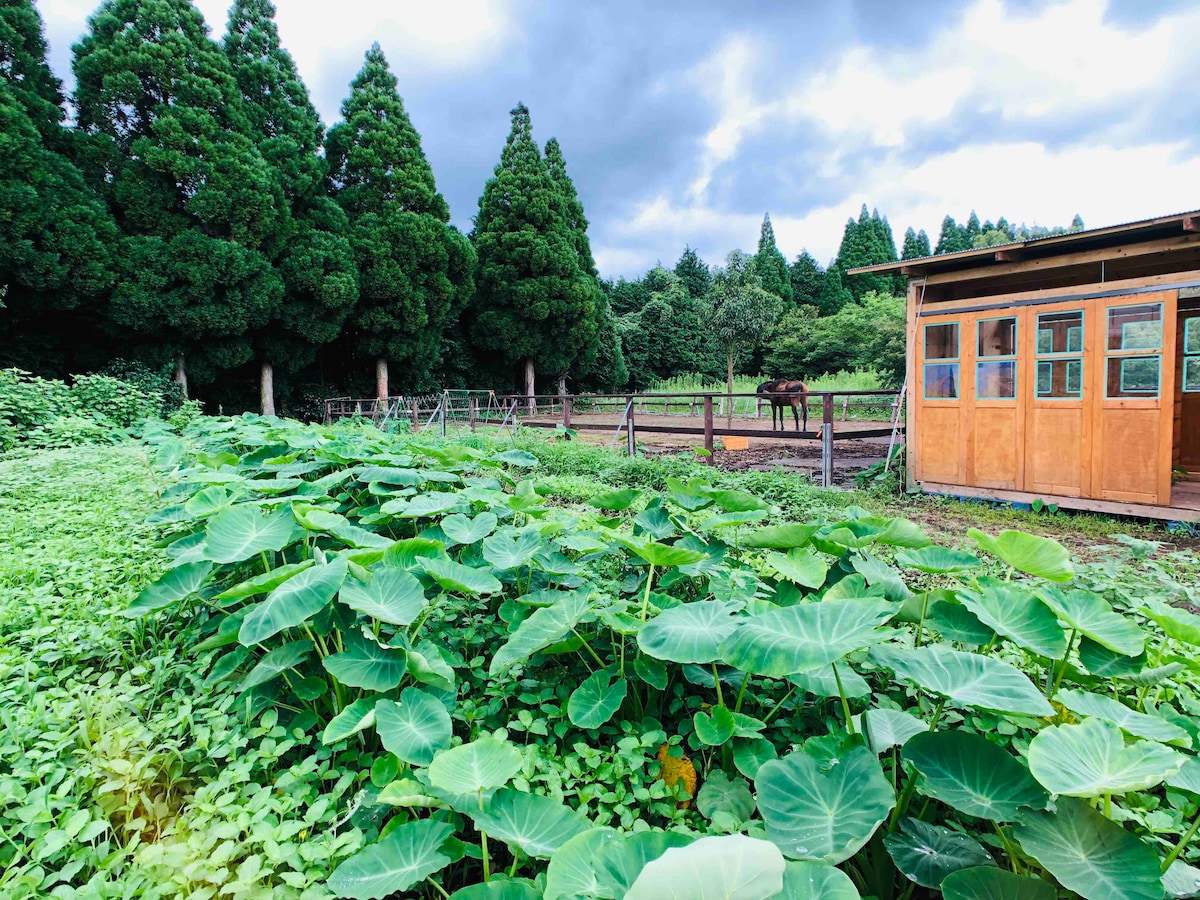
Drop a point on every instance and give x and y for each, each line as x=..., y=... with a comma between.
x=796, y=415
x=804, y=406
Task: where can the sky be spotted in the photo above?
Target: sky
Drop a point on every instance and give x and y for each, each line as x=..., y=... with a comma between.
x=684, y=123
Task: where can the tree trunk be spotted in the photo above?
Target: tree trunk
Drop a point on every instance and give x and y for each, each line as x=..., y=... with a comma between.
x=181, y=376
x=529, y=384
x=267, y=391
x=729, y=390
x=562, y=385
x=381, y=378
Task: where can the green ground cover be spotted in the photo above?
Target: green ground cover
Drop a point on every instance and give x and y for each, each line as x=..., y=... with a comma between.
x=264, y=659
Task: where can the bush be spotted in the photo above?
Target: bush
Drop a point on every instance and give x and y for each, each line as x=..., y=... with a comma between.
x=160, y=382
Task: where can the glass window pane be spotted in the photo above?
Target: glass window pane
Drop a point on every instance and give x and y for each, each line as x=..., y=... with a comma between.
x=1060, y=378
x=941, y=381
x=998, y=337
x=996, y=380
x=1191, y=335
x=1191, y=374
x=1060, y=332
x=1045, y=378
x=1135, y=327
x=1074, y=369
x=1133, y=376
x=941, y=341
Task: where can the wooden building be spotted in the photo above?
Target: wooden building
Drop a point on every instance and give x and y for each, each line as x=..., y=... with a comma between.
x=1065, y=369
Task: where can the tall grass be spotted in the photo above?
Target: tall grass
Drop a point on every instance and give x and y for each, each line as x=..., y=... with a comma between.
x=858, y=380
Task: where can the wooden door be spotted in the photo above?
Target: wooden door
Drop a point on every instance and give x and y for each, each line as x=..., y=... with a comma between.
x=941, y=355
x=1058, y=390
x=1188, y=359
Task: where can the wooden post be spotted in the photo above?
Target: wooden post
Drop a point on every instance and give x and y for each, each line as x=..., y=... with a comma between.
x=416, y=415
x=472, y=411
x=445, y=401
x=708, y=427
x=566, y=412
x=629, y=438
x=267, y=389
x=181, y=376
x=827, y=440
x=381, y=378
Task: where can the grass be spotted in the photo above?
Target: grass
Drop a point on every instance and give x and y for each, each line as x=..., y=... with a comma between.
x=858, y=380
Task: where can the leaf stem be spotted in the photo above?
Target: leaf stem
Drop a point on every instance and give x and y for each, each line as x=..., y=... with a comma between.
x=717, y=682
x=598, y=660
x=646, y=596
x=1183, y=842
x=737, y=707
x=437, y=887
x=769, y=716
x=487, y=872
x=842, y=694
x=1062, y=669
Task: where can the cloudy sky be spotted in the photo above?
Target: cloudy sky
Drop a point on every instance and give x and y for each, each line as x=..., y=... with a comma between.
x=683, y=123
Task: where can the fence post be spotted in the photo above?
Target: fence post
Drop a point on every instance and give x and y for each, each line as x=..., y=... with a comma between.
x=708, y=427
x=566, y=412
x=443, y=407
x=472, y=412
x=827, y=440
x=416, y=415
x=629, y=438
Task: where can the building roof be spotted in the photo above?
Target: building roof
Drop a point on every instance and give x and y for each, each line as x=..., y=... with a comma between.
x=1041, y=247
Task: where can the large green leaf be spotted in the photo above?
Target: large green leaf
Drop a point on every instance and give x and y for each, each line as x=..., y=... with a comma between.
x=293, y=602
x=572, y=870
x=1099, y=660
x=405, y=553
x=484, y=763
x=538, y=825
x=276, y=662
x=937, y=560
x=423, y=506
x=811, y=879
x=1013, y=611
x=664, y=555
x=265, y=583
x=1177, y=623
x=814, y=810
x=403, y=857
x=735, y=501
x=512, y=550
x=780, y=537
x=1181, y=880
x=927, y=853
x=415, y=729
x=1089, y=614
x=623, y=859
x=356, y=717
x=242, y=532
x=990, y=883
x=973, y=775
x=615, y=500
x=806, y=636
x=1091, y=759
x=1089, y=854
x=392, y=595
x=458, y=578
x=725, y=802
x=966, y=678
x=715, y=728
x=1029, y=553
x=596, y=700
x=544, y=627
x=728, y=867
x=801, y=566
x=823, y=682
x=173, y=586
x=1152, y=728
x=690, y=632
x=888, y=728
x=365, y=664
x=468, y=531
x=498, y=890
x=954, y=622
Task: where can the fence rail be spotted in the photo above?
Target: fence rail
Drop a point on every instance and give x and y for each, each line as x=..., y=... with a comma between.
x=476, y=409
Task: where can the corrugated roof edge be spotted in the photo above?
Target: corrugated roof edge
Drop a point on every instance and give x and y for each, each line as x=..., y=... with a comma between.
x=1068, y=238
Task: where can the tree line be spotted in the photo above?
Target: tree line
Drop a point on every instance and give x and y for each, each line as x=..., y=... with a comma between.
x=195, y=213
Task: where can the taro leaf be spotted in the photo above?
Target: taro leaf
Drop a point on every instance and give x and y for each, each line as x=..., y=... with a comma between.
x=816, y=811
x=805, y=637
x=365, y=664
x=402, y=858
x=596, y=700
x=651, y=671
x=880, y=576
x=538, y=825
x=854, y=587
x=1091, y=615
x=1188, y=777
x=810, y=879
x=732, y=519
x=955, y=622
x=243, y=532
x=498, y=890
x=423, y=506
x=750, y=753
x=544, y=627
x=1091, y=759
x=727, y=803
x=664, y=555
x=720, y=867
x=404, y=554
x=623, y=859
x=966, y=678
x=1016, y=613
x=391, y=475
x=1089, y=854
x=173, y=586
x=275, y=663
x=1152, y=728
x=888, y=728
x=714, y=729
x=408, y=792
x=780, y=537
x=692, y=496
x=690, y=632
x=973, y=775
x=350, y=721
x=927, y=853
x=293, y=602
x=735, y=501
x=800, y=566
x=468, y=531
x=1039, y=556
x=937, y=560
x=656, y=522
x=427, y=664
x=900, y=532
x=1177, y=623
x=572, y=869
x=265, y=583
x=615, y=500
x=469, y=768
x=1181, y=880
x=512, y=550
x=990, y=883
x=823, y=682
x=520, y=458
x=458, y=578
x=392, y=595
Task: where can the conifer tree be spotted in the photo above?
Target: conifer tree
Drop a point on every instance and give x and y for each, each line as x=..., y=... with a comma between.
x=534, y=306
x=317, y=262
x=201, y=211
x=413, y=267
x=24, y=67
x=953, y=237
x=694, y=272
x=973, y=228
x=834, y=294
x=916, y=245
x=770, y=264
x=807, y=277
x=866, y=242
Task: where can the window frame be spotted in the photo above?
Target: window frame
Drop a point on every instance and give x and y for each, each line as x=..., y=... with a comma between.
x=999, y=358
x=955, y=361
x=1139, y=353
x=1068, y=356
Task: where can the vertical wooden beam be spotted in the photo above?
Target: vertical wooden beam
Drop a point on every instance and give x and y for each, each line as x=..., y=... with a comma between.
x=708, y=427
x=566, y=412
x=629, y=436
x=827, y=440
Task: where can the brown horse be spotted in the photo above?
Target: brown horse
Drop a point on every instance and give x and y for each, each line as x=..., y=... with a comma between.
x=781, y=392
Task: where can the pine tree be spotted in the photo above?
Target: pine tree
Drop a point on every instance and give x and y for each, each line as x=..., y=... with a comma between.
x=866, y=242
x=952, y=238
x=974, y=229
x=916, y=245
x=806, y=276
x=770, y=264
x=1076, y=223
x=534, y=306
x=23, y=66
x=201, y=210
x=834, y=294
x=317, y=263
x=694, y=272
x=413, y=267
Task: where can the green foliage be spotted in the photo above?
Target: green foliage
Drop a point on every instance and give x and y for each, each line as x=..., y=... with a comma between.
x=666, y=334
x=770, y=265
x=738, y=311
x=807, y=279
x=916, y=245
x=694, y=272
x=867, y=242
